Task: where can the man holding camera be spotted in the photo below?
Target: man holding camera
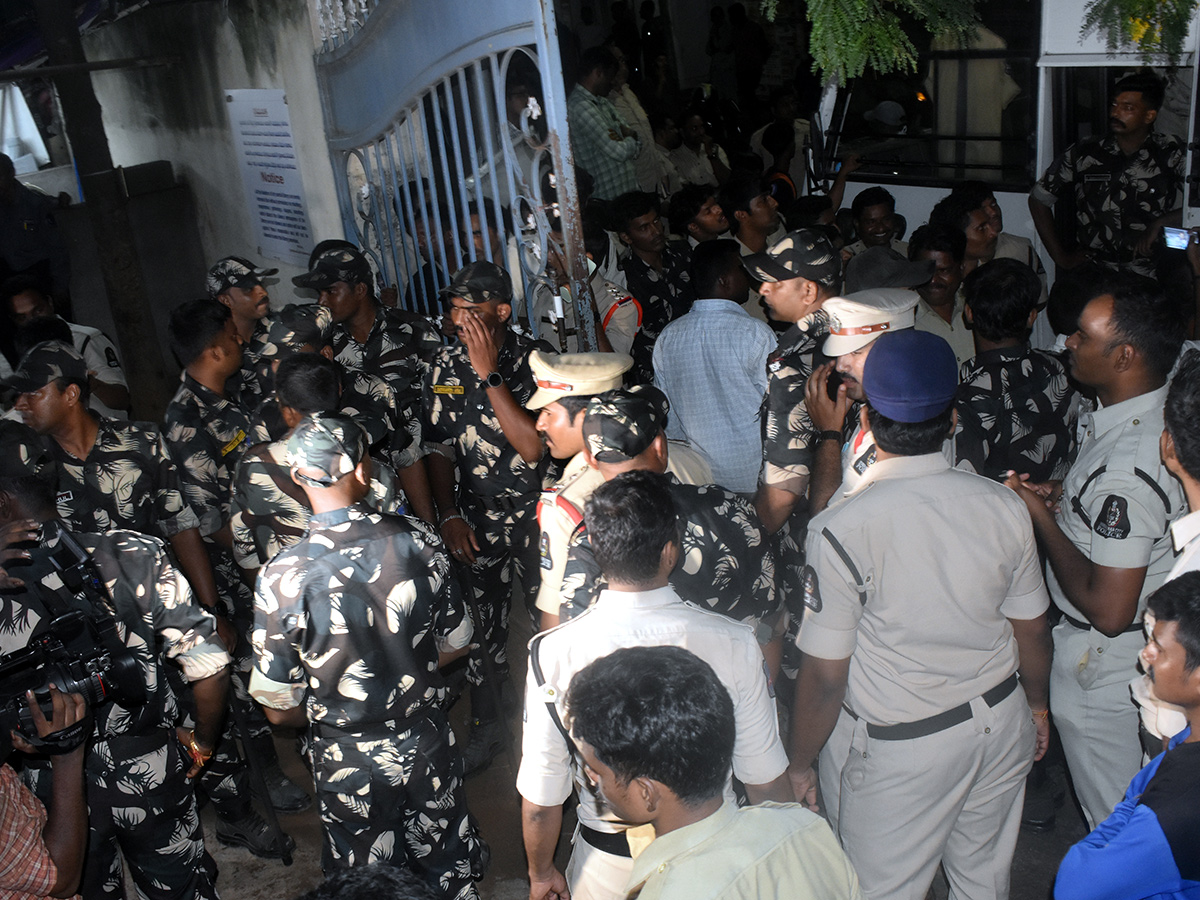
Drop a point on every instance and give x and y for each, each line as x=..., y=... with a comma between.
x=120, y=592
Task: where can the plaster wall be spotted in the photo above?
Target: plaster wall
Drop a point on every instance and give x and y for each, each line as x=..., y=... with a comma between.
x=177, y=112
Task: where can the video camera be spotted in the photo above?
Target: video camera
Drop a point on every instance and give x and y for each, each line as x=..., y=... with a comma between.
x=80, y=652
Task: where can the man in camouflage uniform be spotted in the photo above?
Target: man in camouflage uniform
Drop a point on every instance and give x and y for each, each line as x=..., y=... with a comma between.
x=565, y=384
x=137, y=770
x=111, y=473
x=393, y=344
x=237, y=284
x=206, y=431
x=1127, y=185
x=350, y=626
x=726, y=564
x=475, y=423
x=394, y=430
x=269, y=512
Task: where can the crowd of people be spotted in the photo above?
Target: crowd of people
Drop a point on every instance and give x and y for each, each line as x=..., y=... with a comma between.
x=836, y=522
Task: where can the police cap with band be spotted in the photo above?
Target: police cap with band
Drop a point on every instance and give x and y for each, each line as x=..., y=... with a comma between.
x=559, y=375
x=807, y=253
x=327, y=447
x=479, y=282
x=910, y=376
x=621, y=424
x=234, y=271
x=857, y=319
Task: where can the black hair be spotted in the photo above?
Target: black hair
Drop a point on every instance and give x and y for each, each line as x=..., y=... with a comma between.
x=954, y=211
x=909, y=438
x=938, y=238
x=712, y=261
x=1178, y=601
x=1150, y=86
x=1070, y=294
x=1002, y=294
x=194, y=326
x=377, y=881
x=975, y=193
x=329, y=244
x=1181, y=414
x=872, y=196
x=20, y=284
x=632, y=206
x=659, y=713
x=1146, y=319
x=35, y=493
x=574, y=404
x=308, y=383
x=43, y=328
x=737, y=195
x=686, y=204
x=777, y=136
x=658, y=119
x=629, y=521
x=595, y=239
x=597, y=58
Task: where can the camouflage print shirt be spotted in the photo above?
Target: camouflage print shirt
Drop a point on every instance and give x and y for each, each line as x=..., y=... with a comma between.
x=248, y=384
x=1117, y=197
x=1016, y=412
x=397, y=349
x=207, y=435
x=725, y=565
x=459, y=418
x=394, y=432
x=788, y=433
x=269, y=512
x=156, y=619
x=352, y=617
x=664, y=296
x=128, y=480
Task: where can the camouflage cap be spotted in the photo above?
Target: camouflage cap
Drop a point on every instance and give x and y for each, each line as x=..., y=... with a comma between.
x=234, y=271
x=46, y=362
x=559, y=375
x=328, y=445
x=479, y=282
x=334, y=265
x=621, y=424
x=295, y=326
x=883, y=267
x=806, y=253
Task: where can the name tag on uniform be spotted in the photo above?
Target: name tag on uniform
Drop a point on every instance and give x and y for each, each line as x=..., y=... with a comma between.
x=448, y=389
x=1105, y=176
x=232, y=445
x=64, y=497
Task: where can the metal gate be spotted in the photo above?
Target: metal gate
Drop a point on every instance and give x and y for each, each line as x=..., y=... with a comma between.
x=441, y=149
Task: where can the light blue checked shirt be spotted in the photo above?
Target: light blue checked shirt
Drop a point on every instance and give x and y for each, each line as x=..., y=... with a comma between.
x=608, y=161
x=712, y=365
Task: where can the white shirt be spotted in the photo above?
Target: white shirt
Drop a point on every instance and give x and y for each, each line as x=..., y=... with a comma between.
x=642, y=619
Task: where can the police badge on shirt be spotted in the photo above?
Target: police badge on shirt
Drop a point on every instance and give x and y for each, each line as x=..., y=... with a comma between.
x=1113, y=519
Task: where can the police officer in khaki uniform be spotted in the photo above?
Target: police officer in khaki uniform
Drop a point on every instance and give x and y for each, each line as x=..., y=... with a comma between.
x=565, y=383
x=1109, y=544
x=925, y=610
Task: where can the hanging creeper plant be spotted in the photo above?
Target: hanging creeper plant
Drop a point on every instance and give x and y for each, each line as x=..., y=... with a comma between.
x=1151, y=27
x=850, y=36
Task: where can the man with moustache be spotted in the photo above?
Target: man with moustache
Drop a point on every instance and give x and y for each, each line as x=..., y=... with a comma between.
x=941, y=307
x=1127, y=185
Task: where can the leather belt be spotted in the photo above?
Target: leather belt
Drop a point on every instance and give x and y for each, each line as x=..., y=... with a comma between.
x=1084, y=626
x=616, y=844
x=907, y=731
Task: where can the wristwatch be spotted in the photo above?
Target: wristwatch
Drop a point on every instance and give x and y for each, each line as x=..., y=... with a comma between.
x=493, y=380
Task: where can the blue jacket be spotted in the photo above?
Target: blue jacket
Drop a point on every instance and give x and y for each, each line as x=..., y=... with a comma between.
x=1149, y=848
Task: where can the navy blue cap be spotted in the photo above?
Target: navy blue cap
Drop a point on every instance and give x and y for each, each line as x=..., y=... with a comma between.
x=910, y=376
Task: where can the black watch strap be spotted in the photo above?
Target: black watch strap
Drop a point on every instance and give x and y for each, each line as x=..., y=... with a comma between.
x=831, y=435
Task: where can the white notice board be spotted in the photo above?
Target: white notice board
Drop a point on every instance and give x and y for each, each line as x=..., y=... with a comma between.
x=266, y=151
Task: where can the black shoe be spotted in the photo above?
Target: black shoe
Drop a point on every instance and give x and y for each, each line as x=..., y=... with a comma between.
x=483, y=745
x=286, y=796
x=252, y=832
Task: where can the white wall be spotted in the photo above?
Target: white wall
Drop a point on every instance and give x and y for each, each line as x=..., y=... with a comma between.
x=177, y=113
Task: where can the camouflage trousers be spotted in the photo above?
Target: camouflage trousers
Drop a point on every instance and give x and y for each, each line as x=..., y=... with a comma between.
x=397, y=798
x=507, y=552
x=141, y=807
